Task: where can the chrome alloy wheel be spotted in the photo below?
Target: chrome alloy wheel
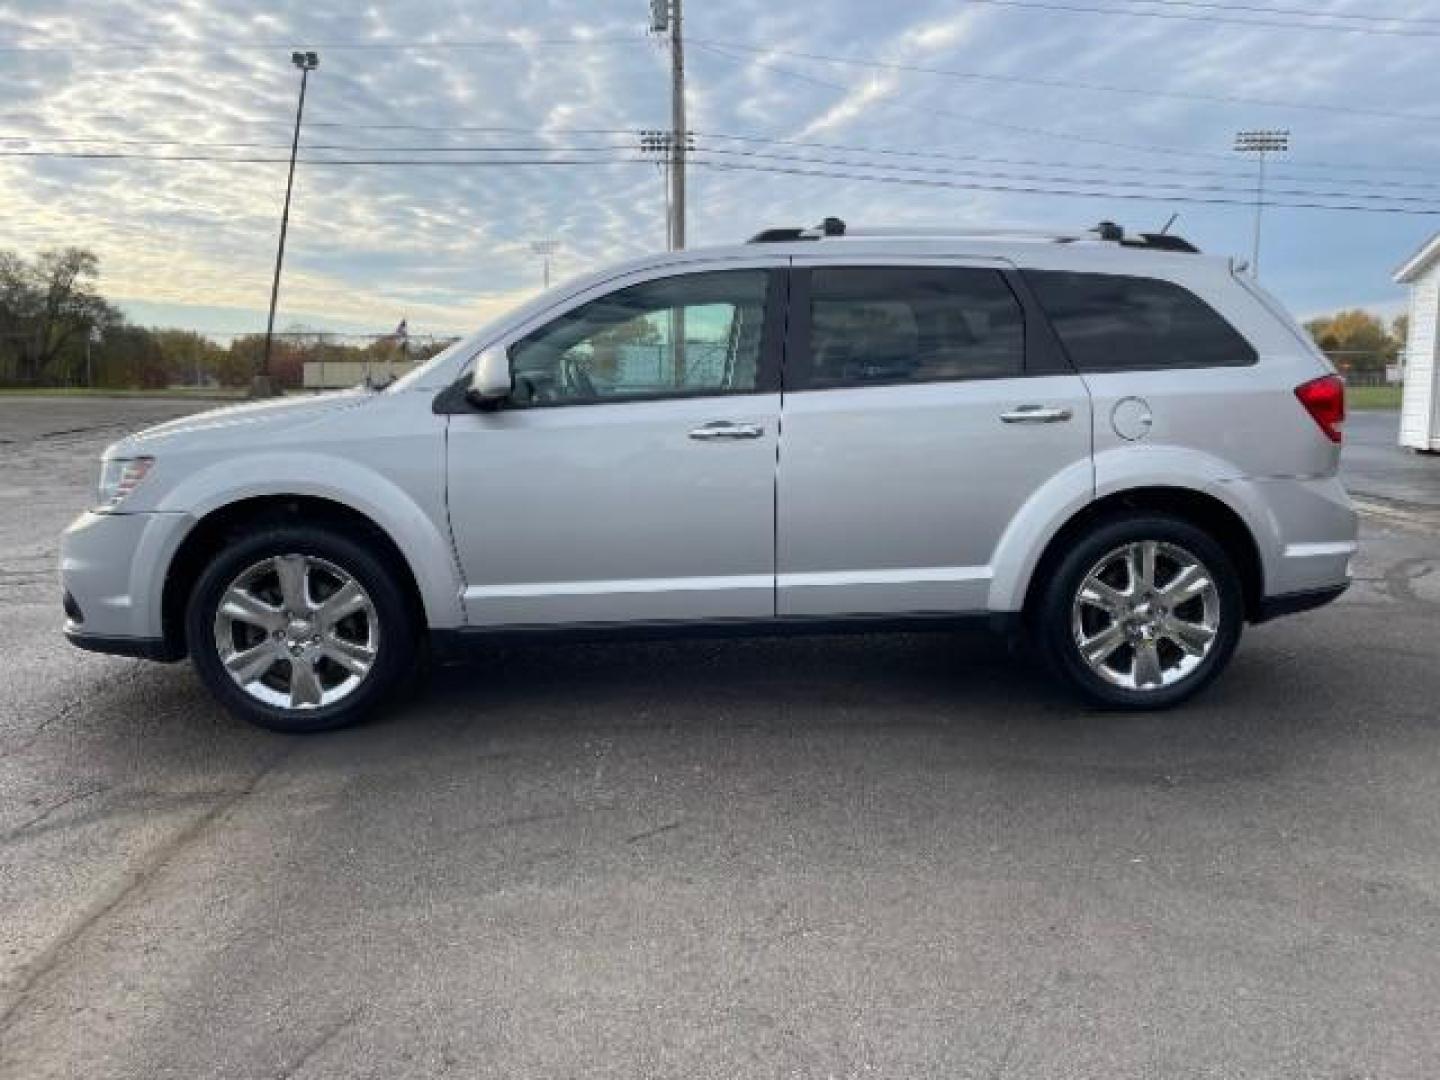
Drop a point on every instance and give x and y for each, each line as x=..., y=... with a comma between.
x=1146, y=615
x=296, y=632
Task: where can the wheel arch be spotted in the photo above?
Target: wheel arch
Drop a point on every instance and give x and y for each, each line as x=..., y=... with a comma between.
x=1201, y=509
x=212, y=531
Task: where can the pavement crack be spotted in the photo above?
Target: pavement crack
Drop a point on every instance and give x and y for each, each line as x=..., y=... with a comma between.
x=52, y=809
x=1400, y=579
x=70, y=707
x=124, y=802
x=648, y=833
x=53, y=958
x=319, y=1043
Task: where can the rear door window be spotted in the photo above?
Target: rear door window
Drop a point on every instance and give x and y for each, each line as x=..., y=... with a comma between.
x=1114, y=322
x=881, y=325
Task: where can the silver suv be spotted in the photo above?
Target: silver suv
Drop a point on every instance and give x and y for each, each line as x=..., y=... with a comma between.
x=1116, y=445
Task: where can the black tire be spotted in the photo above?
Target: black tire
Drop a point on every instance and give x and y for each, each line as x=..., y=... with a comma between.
x=395, y=634
x=1053, y=617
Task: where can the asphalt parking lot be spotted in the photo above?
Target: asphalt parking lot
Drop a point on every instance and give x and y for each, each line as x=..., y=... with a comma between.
x=902, y=856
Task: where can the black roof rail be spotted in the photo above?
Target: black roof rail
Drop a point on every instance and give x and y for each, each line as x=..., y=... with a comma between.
x=1106, y=231
x=778, y=236
x=1164, y=242
x=831, y=226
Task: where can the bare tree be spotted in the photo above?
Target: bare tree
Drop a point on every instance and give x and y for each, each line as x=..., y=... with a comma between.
x=48, y=306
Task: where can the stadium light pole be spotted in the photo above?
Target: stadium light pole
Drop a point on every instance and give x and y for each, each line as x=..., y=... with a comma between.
x=306, y=62
x=1260, y=143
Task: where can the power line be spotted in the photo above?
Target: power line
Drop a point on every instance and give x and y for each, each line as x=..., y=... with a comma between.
x=1299, y=18
x=1029, y=190
x=1200, y=194
x=1114, y=144
x=1401, y=27
x=188, y=47
x=940, y=155
x=1149, y=148
x=1167, y=184
x=1344, y=166
x=102, y=141
x=628, y=133
x=1068, y=84
x=1143, y=170
x=1309, y=13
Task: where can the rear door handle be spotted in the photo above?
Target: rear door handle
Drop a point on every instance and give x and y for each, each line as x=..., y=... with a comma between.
x=720, y=430
x=1035, y=414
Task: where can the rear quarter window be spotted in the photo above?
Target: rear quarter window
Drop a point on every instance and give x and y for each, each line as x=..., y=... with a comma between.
x=1115, y=322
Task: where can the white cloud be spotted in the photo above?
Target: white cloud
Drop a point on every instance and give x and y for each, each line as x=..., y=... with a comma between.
x=450, y=244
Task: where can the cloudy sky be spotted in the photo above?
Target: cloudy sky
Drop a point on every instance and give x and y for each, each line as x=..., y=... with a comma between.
x=503, y=121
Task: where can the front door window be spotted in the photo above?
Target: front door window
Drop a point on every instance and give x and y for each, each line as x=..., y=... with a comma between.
x=695, y=334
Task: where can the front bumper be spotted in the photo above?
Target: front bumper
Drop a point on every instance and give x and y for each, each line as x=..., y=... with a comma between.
x=112, y=571
x=142, y=648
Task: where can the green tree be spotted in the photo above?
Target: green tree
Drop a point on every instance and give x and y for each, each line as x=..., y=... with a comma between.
x=190, y=357
x=130, y=356
x=1356, y=340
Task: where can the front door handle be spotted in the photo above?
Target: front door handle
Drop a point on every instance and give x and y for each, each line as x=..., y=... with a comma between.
x=718, y=430
x=1035, y=414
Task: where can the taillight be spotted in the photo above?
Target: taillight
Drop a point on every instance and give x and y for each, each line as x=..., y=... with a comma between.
x=1324, y=400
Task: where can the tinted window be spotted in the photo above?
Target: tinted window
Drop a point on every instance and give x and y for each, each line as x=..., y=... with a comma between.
x=694, y=333
x=1108, y=322
x=890, y=324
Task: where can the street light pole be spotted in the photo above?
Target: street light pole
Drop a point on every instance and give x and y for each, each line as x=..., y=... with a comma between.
x=306, y=62
x=545, y=249
x=1260, y=143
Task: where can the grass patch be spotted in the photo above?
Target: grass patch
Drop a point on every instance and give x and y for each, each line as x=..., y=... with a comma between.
x=1372, y=397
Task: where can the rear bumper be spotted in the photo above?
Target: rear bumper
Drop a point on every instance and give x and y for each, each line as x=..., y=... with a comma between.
x=1307, y=532
x=1272, y=607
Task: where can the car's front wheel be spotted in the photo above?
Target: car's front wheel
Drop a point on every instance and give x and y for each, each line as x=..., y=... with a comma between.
x=299, y=628
x=1141, y=612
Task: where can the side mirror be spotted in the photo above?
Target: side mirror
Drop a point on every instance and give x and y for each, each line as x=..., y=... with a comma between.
x=490, y=381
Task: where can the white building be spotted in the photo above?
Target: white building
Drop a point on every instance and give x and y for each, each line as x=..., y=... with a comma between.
x=1420, y=406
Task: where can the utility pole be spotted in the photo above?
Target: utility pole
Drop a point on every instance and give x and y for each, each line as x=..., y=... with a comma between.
x=678, y=133
x=306, y=62
x=666, y=17
x=1260, y=143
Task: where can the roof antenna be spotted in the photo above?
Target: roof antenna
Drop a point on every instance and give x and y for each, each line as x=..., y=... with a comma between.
x=1166, y=227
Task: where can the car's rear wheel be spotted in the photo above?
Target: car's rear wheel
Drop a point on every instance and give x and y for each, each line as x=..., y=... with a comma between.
x=299, y=629
x=1141, y=613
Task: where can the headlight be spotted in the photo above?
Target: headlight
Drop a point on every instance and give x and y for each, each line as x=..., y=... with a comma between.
x=119, y=477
